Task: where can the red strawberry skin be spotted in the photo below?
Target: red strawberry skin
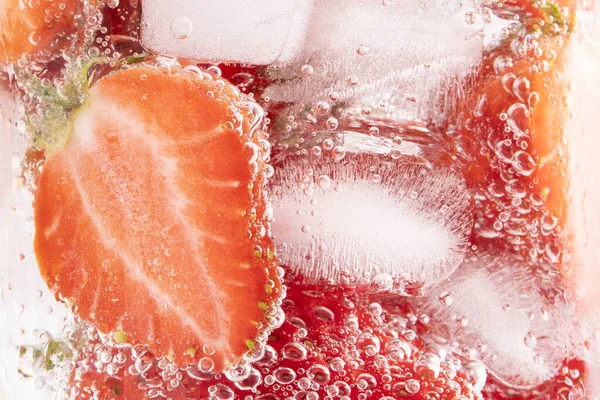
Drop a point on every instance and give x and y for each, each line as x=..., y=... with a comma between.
x=152, y=219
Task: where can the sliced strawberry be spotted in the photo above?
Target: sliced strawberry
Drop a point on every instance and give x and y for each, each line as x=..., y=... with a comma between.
x=152, y=220
x=515, y=131
x=529, y=126
x=28, y=27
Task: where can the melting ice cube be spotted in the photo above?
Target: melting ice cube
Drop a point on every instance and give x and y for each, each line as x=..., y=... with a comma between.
x=254, y=32
x=369, y=217
x=496, y=308
x=407, y=54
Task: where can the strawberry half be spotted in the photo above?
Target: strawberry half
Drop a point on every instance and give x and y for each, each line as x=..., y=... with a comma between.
x=28, y=27
x=152, y=222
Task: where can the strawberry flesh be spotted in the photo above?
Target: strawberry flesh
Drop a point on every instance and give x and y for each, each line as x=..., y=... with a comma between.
x=151, y=221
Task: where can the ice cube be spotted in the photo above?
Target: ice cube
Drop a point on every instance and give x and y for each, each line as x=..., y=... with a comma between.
x=368, y=216
x=496, y=308
x=410, y=55
x=253, y=32
x=7, y=107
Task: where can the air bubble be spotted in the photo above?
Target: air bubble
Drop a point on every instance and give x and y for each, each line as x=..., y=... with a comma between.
x=446, y=299
x=251, y=382
x=208, y=349
x=307, y=70
x=410, y=335
x=34, y=38
x=363, y=50
x=331, y=123
x=383, y=281
x=470, y=18
x=324, y=313
x=319, y=374
x=343, y=388
x=334, y=96
x=523, y=163
x=375, y=309
x=181, y=28
x=284, y=375
x=476, y=375
x=252, y=152
x=143, y=364
x=339, y=152
x=238, y=372
x=412, y=386
x=428, y=365
x=328, y=144
x=368, y=343
x=216, y=73
x=112, y=369
x=374, y=131
x=398, y=350
x=223, y=392
x=294, y=351
x=324, y=182
x=366, y=381
x=337, y=364
x=323, y=108
x=206, y=364
x=530, y=340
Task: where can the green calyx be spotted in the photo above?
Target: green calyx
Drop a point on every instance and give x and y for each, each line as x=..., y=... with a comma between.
x=555, y=22
x=50, y=108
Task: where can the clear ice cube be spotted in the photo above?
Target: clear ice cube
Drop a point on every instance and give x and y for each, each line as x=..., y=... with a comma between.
x=497, y=312
x=410, y=55
x=253, y=32
x=368, y=216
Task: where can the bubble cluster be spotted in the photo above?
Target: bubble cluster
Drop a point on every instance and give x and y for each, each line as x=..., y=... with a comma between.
x=343, y=353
